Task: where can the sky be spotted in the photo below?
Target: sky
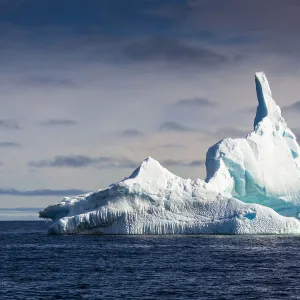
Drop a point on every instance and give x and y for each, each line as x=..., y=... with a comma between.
x=89, y=88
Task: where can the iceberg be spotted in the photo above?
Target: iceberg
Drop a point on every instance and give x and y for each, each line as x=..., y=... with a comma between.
x=264, y=167
x=252, y=187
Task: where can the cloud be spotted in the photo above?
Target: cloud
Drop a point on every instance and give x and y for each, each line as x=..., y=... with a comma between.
x=232, y=132
x=224, y=16
x=9, y=124
x=42, y=81
x=195, y=102
x=170, y=145
x=41, y=192
x=59, y=122
x=81, y=161
x=132, y=133
x=196, y=163
x=170, y=31
x=172, y=51
x=174, y=126
x=76, y=161
x=20, y=209
x=179, y=163
x=9, y=145
x=224, y=132
x=166, y=146
x=229, y=25
x=294, y=107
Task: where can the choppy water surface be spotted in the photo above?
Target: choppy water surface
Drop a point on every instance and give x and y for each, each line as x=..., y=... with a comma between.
x=35, y=265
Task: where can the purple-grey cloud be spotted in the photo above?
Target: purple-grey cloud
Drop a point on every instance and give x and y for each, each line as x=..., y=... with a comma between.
x=179, y=163
x=5, y=144
x=195, y=102
x=174, y=126
x=43, y=81
x=171, y=145
x=224, y=132
x=9, y=124
x=172, y=51
x=41, y=192
x=59, y=122
x=132, y=133
x=20, y=209
x=294, y=107
x=81, y=161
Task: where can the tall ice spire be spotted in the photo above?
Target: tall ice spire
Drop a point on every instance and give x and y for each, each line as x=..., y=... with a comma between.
x=266, y=105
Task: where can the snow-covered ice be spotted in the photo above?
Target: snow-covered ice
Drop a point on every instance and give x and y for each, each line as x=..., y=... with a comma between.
x=252, y=187
x=264, y=167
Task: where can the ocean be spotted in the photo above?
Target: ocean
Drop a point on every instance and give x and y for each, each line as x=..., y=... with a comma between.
x=35, y=265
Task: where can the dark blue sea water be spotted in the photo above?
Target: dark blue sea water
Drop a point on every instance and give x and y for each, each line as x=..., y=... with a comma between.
x=35, y=265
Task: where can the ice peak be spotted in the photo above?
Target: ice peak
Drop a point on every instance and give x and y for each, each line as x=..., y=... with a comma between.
x=266, y=105
x=149, y=167
x=150, y=163
x=149, y=159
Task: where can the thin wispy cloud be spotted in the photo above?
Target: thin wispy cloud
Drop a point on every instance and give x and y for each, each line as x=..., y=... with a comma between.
x=172, y=51
x=5, y=144
x=168, y=147
x=172, y=146
x=59, y=122
x=196, y=163
x=222, y=133
x=81, y=161
x=232, y=132
x=41, y=192
x=195, y=102
x=174, y=126
x=42, y=81
x=20, y=209
x=179, y=163
x=294, y=107
x=132, y=133
x=9, y=124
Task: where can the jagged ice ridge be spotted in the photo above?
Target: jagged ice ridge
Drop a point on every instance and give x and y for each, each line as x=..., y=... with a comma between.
x=252, y=187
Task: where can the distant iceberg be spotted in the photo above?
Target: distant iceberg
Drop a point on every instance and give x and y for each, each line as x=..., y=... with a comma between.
x=252, y=187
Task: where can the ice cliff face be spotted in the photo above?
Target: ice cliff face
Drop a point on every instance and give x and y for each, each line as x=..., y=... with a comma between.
x=262, y=168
